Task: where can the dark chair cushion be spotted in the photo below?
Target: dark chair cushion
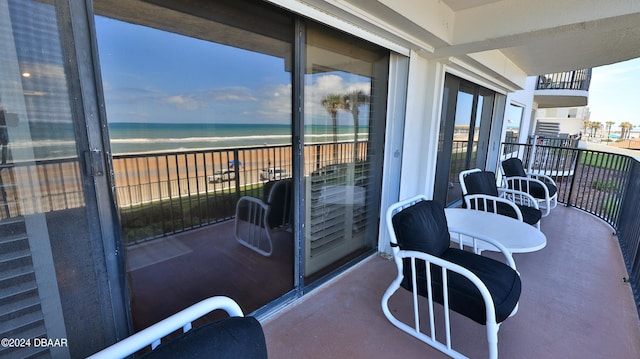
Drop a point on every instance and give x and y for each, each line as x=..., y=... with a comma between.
x=513, y=168
x=535, y=189
x=232, y=338
x=483, y=182
x=501, y=280
x=422, y=227
x=530, y=215
x=280, y=201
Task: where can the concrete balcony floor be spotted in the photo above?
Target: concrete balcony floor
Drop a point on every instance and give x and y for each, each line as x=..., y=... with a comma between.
x=574, y=304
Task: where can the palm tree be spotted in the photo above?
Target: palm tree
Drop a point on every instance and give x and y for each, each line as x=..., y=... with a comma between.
x=352, y=103
x=585, y=125
x=609, y=124
x=595, y=126
x=625, y=129
x=334, y=103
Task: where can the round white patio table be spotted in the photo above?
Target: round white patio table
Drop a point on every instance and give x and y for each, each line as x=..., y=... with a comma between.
x=516, y=236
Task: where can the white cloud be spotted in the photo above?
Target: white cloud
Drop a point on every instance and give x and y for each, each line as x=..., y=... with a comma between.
x=184, y=102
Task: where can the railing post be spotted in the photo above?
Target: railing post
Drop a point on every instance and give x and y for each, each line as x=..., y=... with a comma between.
x=573, y=178
x=318, y=159
x=236, y=170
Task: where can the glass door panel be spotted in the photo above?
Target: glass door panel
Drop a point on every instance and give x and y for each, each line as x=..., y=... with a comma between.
x=51, y=261
x=482, y=127
x=199, y=111
x=344, y=93
x=464, y=134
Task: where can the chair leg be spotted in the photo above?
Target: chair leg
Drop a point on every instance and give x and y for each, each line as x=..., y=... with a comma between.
x=546, y=207
x=492, y=339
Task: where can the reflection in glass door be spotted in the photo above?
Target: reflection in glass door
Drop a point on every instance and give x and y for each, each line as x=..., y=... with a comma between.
x=53, y=275
x=198, y=120
x=344, y=96
x=464, y=134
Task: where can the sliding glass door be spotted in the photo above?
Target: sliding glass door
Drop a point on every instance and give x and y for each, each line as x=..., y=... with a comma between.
x=198, y=101
x=344, y=112
x=465, y=127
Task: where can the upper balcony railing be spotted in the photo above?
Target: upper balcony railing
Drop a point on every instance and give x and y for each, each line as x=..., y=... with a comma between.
x=571, y=80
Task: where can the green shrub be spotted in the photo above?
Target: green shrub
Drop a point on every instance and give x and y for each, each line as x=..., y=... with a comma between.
x=605, y=185
x=169, y=216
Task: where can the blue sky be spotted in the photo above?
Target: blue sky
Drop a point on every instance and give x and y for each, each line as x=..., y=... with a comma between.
x=155, y=76
x=188, y=86
x=614, y=93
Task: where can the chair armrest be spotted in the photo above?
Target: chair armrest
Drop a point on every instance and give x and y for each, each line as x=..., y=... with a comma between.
x=542, y=177
x=520, y=197
x=257, y=209
x=251, y=227
x=490, y=309
x=524, y=183
x=485, y=199
x=492, y=242
x=153, y=334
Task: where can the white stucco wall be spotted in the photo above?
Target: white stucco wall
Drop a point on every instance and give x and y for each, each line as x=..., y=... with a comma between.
x=523, y=98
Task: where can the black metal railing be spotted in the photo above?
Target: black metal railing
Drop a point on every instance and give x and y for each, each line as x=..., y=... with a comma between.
x=604, y=184
x=628, y=229
x=28, y=187
x=160, y=194
x=165, y=193
x=570, y=80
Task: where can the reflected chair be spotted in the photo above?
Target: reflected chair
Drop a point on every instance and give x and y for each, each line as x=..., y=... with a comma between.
x=234, y=337
x=256, y=218
x=480, y=192
x=480, y=288
x=542, y=187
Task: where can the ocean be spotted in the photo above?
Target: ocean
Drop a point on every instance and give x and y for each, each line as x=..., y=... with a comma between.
x=143, y=137
x=50, y=140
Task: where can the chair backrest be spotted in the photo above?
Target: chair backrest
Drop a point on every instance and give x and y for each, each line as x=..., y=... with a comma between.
x=513, y=168
x=481, y=182
x=228, y=338
x=234, y=337
x=279, y=197
x=422, y=227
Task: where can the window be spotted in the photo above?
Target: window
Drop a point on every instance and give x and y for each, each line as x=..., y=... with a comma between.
x=513, y=122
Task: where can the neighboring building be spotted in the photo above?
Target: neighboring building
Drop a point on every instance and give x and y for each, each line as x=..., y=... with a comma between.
x=425, y=89
x=563, y=121
x=558, y=103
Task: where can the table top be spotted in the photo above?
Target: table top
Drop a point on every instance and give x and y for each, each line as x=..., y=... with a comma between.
x=517, y=236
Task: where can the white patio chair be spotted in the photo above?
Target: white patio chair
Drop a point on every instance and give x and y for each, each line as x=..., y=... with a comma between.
x=234, y=337
x=480, y=192
x=542, y=187
x=480, y=288
x=257, y=218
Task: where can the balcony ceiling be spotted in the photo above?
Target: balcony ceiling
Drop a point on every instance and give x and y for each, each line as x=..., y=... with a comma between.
x=538, y=37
